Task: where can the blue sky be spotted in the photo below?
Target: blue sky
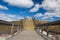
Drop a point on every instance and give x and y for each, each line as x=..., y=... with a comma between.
x=11, y=10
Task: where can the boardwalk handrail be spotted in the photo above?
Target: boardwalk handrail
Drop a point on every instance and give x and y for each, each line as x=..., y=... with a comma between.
x=50, y=23
x=47, y=31
x=8, y=23
x=12, y=25
x=5, y=22
x=47, y=25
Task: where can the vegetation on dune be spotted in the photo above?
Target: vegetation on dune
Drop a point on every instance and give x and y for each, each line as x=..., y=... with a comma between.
x=40, y=22
x=4, y=28
x=55, y=28
x=17, y=22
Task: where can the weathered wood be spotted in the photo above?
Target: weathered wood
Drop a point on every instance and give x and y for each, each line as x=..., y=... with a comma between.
x=49, y=23
x=8, y=23
x=12, y=29
x=27, y=35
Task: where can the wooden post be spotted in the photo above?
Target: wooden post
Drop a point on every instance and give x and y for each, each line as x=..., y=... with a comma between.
x=38, y=29
x=41, y=29
x=20, y=28
x=12, y=29
x=17, y=28
x=47, y=30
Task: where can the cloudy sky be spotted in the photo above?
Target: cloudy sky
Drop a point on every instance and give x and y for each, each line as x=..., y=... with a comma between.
x=40, y=9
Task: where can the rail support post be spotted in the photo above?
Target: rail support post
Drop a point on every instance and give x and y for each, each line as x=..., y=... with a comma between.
x=12, y=29
x=20, y=28
x=38, y=29
x=41, y=29
x=17, y=28
x=47, y=30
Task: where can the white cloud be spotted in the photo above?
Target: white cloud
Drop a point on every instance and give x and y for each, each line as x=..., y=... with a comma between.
x=51, y=4
x=20, y=3
x=35, y=9
x=28, y=17
x=3, y=7
x=9, y=17
x=38, y=15
x=53, y=7
x=47, y=15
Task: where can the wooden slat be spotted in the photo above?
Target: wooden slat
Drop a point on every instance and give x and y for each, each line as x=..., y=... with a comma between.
x=49, y=23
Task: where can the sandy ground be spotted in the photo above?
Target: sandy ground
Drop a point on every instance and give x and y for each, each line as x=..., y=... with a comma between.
x=2, y=38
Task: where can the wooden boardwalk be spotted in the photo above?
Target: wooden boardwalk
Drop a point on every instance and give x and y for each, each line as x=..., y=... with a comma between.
x=27, y=35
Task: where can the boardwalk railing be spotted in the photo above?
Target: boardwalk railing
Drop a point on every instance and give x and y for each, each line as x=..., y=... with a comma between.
x=40, y=27
x=9, y=28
